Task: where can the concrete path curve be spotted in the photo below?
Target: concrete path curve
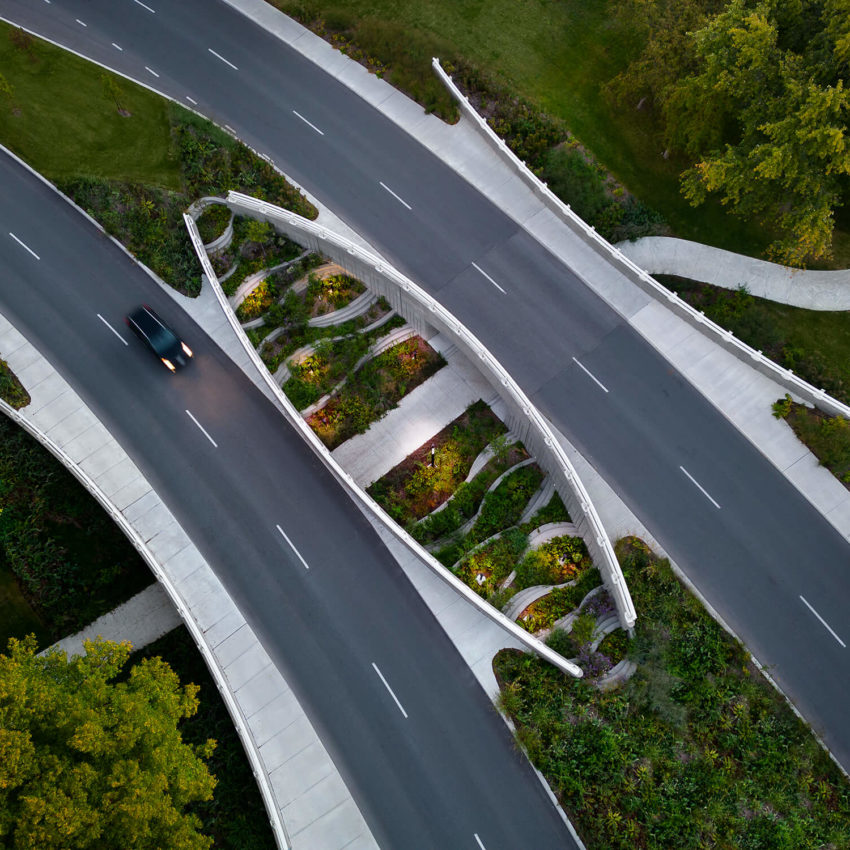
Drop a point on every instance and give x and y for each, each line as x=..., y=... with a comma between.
x=814, y=290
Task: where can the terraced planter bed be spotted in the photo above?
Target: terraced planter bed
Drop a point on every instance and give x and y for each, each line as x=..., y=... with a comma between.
x=559, y=560
x=695, y=750
x=320, y=372
x=502, y=508
x=254, y=247
x=414, y=488
x=485, y=568
x=212, y=222
x=326, y=294
x=374, y=389
x=543, y=613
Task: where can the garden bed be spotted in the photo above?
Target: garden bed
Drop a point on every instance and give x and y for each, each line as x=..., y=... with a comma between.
x=557, y=561
x=486, y=568
x=827, y=437
x=502, y=508
x=561, y=601
x=212, y=222
x=696, y=750
x=317, y=374
x=414, y=488
x=374, y=389
x=327, y=294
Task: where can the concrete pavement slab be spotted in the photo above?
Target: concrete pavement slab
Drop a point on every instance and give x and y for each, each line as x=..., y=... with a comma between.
x=248, y=665
x=299, y=773
x=267, y=721
x=56, y=409
x=130, y=493
x=68, y=429
x=261, y=690
x=334, y=831
x=325, y=796
x=118, y=476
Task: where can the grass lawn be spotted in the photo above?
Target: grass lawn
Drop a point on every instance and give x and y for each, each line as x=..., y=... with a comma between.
x=63, y=118
x=555, y=54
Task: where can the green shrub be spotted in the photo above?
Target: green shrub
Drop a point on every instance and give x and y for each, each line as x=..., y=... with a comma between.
x=562, y=643
x=212, y=222
x=557, y=561
x=828, y=437
x=494, y=562
x=503, y=506
x=12, y=391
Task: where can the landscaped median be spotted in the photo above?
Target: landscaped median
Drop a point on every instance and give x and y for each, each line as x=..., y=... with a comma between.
x=510, y=501
x=696, y=750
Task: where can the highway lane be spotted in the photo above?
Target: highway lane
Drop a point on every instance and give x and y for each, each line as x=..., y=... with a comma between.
x=669, y=453
x=434, y=774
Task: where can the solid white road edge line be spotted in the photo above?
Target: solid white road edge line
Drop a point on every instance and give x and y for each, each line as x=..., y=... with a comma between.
x=292, y=546
x=23, y=245
x=823, y=622
x=700, y=487
x=112, y=329
x=308, y=123
x=387, y=686
x=403, y=202
x=476, y=266
x=203, y=430
x=591, y=375
x=219, y=56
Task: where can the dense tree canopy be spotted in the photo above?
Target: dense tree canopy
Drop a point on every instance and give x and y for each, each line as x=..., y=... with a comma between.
x=755, y=92
x=88, y=762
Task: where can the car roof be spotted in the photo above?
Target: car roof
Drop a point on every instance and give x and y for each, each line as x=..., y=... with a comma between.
x=150, y=324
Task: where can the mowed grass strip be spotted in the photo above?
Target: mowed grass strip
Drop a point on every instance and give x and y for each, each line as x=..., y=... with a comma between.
x=68, y=117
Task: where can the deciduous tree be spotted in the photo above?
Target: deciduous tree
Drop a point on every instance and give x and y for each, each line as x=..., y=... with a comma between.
x=90, y=762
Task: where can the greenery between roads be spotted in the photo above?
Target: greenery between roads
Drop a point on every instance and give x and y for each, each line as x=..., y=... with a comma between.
x=814, y=343
x=212, y=222
x=130, y=158
x=696, y=750
x=561, y=601
x=90, y=762
x=827, y=436
x=374, y=389
x=71, y=562
x=414, y=488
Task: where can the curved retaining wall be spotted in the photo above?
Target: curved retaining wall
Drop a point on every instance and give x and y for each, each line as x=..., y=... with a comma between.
x=637, y=275
x=422, y=312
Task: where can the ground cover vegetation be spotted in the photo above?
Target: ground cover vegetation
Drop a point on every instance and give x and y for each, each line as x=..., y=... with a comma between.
x=633, y=81
x=815, y=344
x=131, y=159
x=374, y=389
x=501, y=508
x=256, y=246
x=69, y=560
x=544, y=612
x=414, y=488
x=696, y=750
x=212, y=222
x=828, y=437
x=317, y=374
x=234, y=817
x=12, y=391
x=92, y=762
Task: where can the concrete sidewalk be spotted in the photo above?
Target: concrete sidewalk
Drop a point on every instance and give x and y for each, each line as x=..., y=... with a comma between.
x=812, y=289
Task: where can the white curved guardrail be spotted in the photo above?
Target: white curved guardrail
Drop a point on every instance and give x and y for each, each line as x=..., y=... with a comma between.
x=239, y=721
x=421, y=310
x=645, y=281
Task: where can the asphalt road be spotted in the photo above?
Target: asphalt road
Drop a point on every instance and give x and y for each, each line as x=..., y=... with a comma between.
x=434, y=778
x=752, y=544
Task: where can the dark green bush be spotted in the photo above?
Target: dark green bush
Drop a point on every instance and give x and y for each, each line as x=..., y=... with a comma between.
x=212, y=222
x=12, y=391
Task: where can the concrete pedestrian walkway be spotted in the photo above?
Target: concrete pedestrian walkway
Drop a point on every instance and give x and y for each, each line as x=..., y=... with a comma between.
x=141, y=620
x=420, y=415
x=814, y=290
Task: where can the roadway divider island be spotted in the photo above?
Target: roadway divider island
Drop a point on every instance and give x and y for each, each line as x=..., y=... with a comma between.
x=418, y=425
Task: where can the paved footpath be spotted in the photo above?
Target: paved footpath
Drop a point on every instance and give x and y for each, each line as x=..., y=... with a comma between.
x=812, y=289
